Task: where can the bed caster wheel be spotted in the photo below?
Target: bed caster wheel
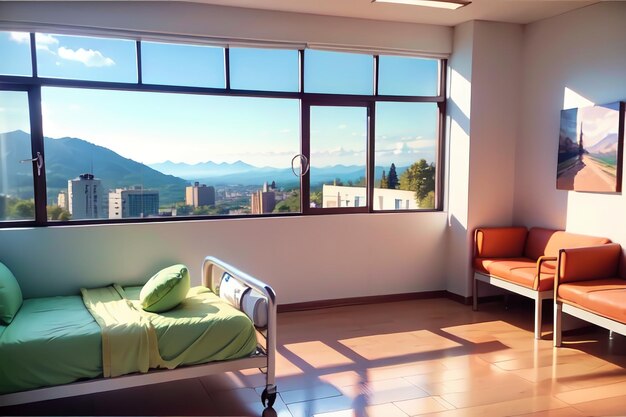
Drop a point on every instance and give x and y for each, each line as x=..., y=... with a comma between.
x=270, y=398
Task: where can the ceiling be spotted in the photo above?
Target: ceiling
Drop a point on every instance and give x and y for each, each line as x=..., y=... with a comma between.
x=512, y=11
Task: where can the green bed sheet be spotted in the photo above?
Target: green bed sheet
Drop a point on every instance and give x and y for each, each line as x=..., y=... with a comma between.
x=55, y=340
x=50, y=341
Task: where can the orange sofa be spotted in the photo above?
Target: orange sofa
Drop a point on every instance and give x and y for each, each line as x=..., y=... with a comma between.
x=589, y=286
x=523, y=261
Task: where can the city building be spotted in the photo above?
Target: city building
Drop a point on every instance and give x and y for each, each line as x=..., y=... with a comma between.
x=384, y=198
x=62, y=200
x=263, y=201
x=133, y=202
x=85, y=197
x=197, y=195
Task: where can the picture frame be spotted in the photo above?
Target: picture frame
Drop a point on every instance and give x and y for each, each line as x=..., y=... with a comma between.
x=591, y=143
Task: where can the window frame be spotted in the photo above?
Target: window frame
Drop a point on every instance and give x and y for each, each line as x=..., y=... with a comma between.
x=34, y=84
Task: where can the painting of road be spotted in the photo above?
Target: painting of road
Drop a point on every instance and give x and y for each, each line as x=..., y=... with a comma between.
x=590, y=148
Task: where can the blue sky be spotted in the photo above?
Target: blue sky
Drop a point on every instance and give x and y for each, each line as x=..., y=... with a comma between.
x=154, y=127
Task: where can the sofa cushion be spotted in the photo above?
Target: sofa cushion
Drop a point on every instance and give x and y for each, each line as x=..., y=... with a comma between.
x=521, y=271
x=536, y=242
x=604, y=297
x=500, y=242
x=488, y=265
x=561, y=239
x=589, y=263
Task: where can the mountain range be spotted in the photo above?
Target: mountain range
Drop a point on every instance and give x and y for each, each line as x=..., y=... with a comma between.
x=241, y=173
x=608, y=145
x=67, y=158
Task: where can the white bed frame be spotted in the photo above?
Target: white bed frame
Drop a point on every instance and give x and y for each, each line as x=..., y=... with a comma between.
x=263, y=358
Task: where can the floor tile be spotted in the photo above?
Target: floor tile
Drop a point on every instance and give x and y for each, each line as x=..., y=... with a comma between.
x=424, y=405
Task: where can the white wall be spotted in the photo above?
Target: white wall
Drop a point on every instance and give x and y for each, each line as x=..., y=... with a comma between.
x=584, y=51
x=304, y=258
x=485, y=73
x=458, y=147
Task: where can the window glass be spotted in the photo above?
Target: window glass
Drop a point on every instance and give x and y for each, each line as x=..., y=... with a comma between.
x=338, y=72
x=264, y=69
x=15, y=54
x=406, y=155
x=86, y=58
x=16, y=179
x=121, y=154
x=338, y=157
x=186, y=65
x=406, y=76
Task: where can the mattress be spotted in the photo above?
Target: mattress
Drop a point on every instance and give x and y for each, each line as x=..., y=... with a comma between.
x=55, y=340
x=50, y=341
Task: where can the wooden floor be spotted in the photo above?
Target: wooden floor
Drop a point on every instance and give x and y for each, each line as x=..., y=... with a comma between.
x=422, y=357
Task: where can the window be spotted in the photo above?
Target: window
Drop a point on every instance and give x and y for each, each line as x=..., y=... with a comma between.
x=264, y=69
x=338, y=72
x=15, y=45
x=338, y=156
x=186, y=65
x=406, y=154
x=86, y=58
x=167, y=154
x=405, y=76
x=16, y=178
x=192, y=131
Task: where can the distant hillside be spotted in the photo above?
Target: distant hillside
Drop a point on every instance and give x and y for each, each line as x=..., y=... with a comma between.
x=606, y=146
x=202, y=169
x=241, y=173
x=67, y=158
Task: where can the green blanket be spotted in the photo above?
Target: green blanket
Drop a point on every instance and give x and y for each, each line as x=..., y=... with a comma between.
x=128, y=339
x=134, y=340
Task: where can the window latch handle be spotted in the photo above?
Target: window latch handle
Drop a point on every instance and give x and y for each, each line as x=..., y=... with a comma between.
x=38, y=159
x=304, y=165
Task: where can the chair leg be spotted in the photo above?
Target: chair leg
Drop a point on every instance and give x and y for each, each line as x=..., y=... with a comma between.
x=558, y=307
x=474, y=294
x=538, y=302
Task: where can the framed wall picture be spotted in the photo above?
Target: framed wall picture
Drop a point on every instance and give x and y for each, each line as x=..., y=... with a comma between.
x=591, y=141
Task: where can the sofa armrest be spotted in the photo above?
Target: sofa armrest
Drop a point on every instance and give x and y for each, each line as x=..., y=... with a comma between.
x=499, y=242
x=588, y=263
x=546, y=265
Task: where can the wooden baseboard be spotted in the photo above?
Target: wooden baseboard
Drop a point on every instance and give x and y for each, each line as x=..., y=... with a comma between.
x=341, y=302
x=458, y=298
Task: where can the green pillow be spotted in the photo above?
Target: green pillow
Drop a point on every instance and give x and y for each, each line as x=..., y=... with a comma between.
x=166, y=289
x=10, y=295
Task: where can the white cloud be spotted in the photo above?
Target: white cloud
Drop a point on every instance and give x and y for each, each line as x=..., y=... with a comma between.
x=20, y=37
x=342, y=126
x=44, y=42
x=88, y=57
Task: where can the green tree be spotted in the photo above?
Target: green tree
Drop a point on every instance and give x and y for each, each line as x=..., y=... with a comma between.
x=289, y=205
x=23, y=209
x=383, y=181
x=58, y=213
x=392, y=179
x=428, y=202
x=420, y=177
x=316, y=198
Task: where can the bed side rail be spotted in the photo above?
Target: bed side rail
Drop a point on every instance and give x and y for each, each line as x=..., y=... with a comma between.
x=212, y=272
